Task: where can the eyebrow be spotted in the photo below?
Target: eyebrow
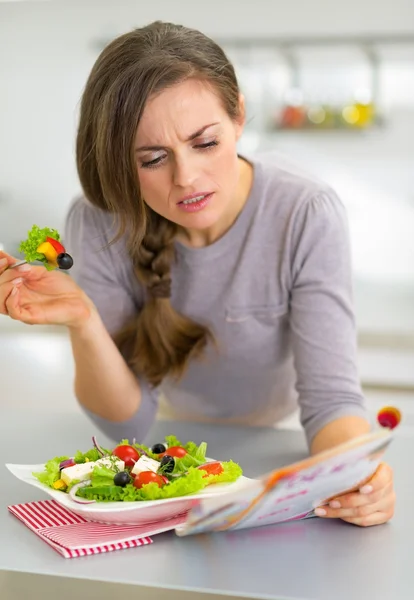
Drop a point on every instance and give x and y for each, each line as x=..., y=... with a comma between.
x=193, y=136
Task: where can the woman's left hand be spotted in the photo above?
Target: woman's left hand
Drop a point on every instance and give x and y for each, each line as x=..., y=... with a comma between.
x=373, y=504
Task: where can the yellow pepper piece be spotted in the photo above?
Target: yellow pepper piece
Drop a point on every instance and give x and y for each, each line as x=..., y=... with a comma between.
x=59, y=484
x=49, y=252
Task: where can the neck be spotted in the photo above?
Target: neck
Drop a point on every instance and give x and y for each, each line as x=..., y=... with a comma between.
x=200, y=238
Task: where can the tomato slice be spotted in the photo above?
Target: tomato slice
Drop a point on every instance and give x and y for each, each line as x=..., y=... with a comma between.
x=148, y=477
x=126, y=453
x=212, y=468
x=176, y=451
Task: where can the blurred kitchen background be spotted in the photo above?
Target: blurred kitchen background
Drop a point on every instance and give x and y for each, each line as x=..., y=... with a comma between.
x=330, y=85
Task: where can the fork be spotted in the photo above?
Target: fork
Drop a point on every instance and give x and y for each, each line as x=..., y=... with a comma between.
x=18, y=264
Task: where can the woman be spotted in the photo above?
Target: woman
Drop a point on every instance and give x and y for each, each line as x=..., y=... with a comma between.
x=223, y=281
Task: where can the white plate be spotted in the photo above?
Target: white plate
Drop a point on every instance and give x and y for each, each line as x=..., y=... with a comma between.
x=125, y=513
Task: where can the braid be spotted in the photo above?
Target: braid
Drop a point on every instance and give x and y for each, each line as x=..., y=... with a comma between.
x=155, y=255
x=160, y=342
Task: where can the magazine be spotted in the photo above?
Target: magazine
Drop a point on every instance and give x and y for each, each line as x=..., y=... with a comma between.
x=291, y=492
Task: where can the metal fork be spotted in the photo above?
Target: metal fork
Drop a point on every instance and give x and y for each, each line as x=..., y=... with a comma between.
x=18, y=264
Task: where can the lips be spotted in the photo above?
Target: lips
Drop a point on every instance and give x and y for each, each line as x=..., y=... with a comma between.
x=192, y=198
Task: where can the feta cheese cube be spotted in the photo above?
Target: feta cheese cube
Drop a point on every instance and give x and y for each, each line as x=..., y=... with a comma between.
x=77, y=472
x=83, y=471
x=145, y=463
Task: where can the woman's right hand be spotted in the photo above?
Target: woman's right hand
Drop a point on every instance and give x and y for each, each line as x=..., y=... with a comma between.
x=37, y=296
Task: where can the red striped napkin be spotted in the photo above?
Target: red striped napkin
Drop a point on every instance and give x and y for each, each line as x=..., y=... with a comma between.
x=72, y=535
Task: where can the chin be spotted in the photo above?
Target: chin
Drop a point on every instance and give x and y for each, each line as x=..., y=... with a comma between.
x=199, y=221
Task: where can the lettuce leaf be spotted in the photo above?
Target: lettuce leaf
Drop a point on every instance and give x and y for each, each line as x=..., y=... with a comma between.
x=182, y=486
x=231, y=472
x=34, y=238
x=51, y=472
x=102, y=476
x=171, y=440
x=92, y=455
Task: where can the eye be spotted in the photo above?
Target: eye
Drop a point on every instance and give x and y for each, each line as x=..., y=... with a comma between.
x=207, y=145
x=152, y=163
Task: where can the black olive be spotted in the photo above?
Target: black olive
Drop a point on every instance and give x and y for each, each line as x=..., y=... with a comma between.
x=167, y=463
x=122, y=478
x=64, y=261
x=158, y=449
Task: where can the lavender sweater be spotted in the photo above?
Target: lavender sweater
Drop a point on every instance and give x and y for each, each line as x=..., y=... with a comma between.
x=276, y=290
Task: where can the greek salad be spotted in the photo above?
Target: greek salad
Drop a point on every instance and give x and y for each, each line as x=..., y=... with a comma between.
x=133, y=472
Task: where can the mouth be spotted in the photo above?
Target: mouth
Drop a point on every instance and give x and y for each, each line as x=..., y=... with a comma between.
x=195, y=202
x=194, y=198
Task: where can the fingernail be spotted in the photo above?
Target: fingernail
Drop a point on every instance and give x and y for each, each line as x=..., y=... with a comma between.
x=24, y=268
x=3, y=262
x=366, y=489
x=320, y=512
x=335, y=504
x=14, y=290
x=17, y=280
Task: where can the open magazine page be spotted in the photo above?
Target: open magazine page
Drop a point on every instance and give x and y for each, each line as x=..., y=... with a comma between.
x=291, y=492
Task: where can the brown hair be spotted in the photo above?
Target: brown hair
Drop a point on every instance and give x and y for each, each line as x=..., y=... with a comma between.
x=136, y=65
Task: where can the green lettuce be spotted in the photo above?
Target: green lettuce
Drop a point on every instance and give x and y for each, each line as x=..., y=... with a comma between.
x=34, y=238
x=92, y=455
x=103, y=476
x=171, y=440
x=231, y=472
x=51, y=472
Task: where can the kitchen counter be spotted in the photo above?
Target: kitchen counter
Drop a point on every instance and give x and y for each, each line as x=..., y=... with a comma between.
x=288, y=561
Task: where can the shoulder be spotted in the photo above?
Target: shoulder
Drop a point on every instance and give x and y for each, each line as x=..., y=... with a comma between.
x=285, y=187
x=290, y=200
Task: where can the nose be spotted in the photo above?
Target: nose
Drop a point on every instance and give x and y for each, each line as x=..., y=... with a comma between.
x=184, y=172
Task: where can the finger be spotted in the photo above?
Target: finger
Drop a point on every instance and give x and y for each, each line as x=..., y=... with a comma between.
x=382, y=476
x=11, y=303
x=30, y=274
x=6, y=261
x=26, y=312
x=10, y=274
x=383, y=505
x=6, y=290
x=8, y=256
x=14, y=308
x=377, y=518
x=357, y=499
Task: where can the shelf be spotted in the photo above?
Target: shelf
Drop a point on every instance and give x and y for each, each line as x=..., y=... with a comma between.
x=332, y=40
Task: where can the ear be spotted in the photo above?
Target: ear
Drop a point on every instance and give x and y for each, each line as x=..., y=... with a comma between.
x=241, y=118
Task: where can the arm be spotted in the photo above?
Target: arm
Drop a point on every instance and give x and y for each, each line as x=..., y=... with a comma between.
x=323, y=325
x=106, y=388
x=103, y=382
x=338, y=431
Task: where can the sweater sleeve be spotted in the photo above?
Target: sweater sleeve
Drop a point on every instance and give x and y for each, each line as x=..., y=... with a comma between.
x=106, y=276
x=322, y=318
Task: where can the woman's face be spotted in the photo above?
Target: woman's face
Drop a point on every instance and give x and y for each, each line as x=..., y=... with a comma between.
x=186, y=156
